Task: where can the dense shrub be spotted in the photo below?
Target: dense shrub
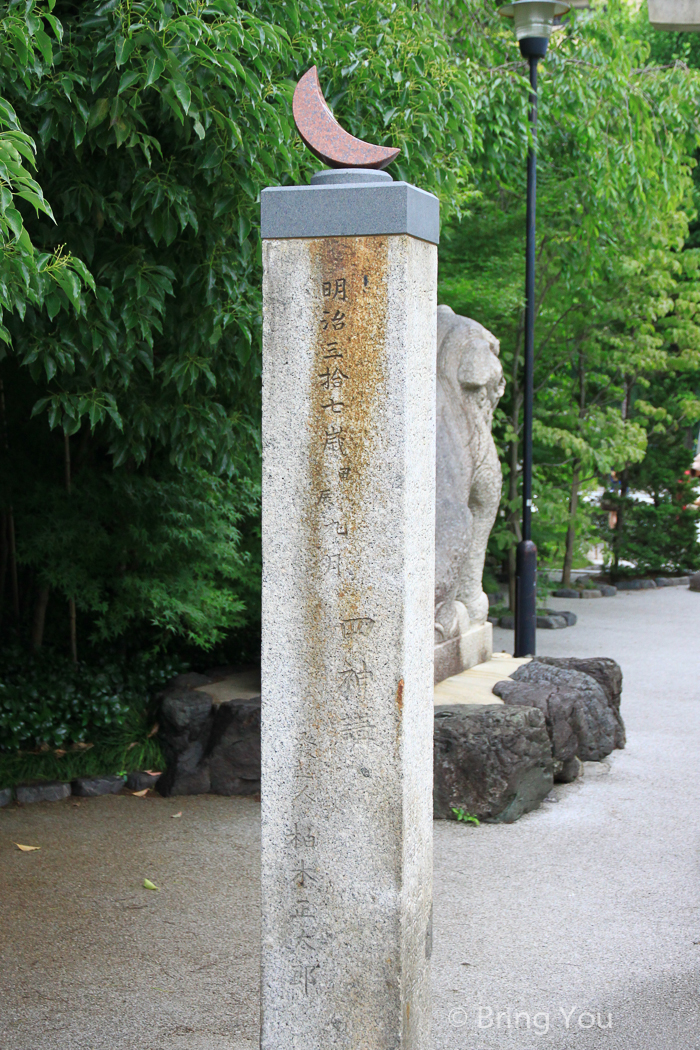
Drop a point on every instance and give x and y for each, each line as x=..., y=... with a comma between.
x=51, y=701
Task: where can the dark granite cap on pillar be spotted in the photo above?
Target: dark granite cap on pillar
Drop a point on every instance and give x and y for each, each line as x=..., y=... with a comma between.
x=355, y=202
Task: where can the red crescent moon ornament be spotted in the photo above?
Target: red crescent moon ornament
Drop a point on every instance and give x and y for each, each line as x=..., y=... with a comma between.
x=323, y=135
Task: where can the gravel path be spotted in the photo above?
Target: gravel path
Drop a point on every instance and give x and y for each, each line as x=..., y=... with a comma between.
x=589, y=906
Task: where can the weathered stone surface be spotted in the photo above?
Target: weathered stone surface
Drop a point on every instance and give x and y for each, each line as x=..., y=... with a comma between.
x=635, y=585
x=551, y=622
x=347, y=653
x=570, y=617
x=5, y=796
x=233, y=753
x=490, y=760
x=548, y=619
x=607, y=590
x=42, y=791
x=590, y=592
x=672, y=581
x=694, y=583
x=580, y=720
x=468, y=475
x=185, y=722
x=140, y=779
x=91, y=787
x=567, y=592
x=607, y=673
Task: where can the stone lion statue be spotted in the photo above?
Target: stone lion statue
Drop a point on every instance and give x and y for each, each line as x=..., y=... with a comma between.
x=468, y=475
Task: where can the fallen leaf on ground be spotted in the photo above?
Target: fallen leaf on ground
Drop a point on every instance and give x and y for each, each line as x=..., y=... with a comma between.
x=173, y=815
x=132, y=745
x=80, y=746
x=153, y=732
x=26, y=849
x=153, y=772
x=59, y=752
x=148, y=885
x=140, y=794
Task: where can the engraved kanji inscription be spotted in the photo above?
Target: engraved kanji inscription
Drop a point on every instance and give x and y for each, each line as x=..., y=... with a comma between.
x=298, y=838
x=358, y=625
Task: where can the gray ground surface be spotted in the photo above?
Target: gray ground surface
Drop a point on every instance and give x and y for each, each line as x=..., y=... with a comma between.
x=591, y=905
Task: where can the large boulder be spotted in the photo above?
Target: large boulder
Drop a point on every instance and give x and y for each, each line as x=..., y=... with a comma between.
x=607, y=673
x=185, y=722
x=233, y=754
x=580, y=719
x=208, y=746
x=490, y=760
x=694, y=583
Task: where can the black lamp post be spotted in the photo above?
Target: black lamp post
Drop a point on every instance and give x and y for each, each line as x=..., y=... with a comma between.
x=534, y=21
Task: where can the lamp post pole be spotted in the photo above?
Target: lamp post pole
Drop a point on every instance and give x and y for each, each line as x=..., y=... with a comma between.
x=526, y=553
x=534, y=20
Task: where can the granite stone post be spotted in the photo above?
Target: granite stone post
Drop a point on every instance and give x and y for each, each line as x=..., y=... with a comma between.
x=349, y=298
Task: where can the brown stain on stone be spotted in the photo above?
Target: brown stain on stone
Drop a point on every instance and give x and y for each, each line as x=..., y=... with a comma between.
x=399, y=696
x=337, y=440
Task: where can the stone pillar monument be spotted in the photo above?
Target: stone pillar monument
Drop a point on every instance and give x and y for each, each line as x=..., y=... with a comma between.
x=349, y=299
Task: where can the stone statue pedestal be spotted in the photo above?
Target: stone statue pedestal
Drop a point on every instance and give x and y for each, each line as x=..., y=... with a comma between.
x=474, y=646
x=349, y=332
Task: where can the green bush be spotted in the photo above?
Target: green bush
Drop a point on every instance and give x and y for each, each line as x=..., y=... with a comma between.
x=53, y=702
x=656, y=537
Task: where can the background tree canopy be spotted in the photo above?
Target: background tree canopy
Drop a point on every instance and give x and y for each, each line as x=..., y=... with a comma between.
x=134, y=142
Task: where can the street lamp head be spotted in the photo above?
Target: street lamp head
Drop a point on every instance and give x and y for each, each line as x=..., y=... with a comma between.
x=534, y=21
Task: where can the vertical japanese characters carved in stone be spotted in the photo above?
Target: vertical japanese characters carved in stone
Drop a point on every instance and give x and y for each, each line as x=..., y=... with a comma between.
x=468, y=481
x=348, y=550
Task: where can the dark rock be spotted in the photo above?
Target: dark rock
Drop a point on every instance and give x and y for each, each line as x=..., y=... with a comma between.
x=607, y=673
x=552, y=622
x=579, y=717
x=185, y=723
x=694, y=583
x=566, y=592
x=91, y=787
x=5, y=796
x=607, y=590
x=672, y=581
x=140, y=779
x=233, y=753
x=490, y=760
x=494, y=620
x=508, y=622
x=635, y=585
x=571, y=618
x=42, y=791
x=566, y=772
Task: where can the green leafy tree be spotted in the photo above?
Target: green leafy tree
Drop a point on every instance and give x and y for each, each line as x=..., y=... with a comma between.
x=133, y=404
x=616, y=134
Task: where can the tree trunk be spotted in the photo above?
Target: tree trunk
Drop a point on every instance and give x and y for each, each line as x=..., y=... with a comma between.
x=39, y=619
x=12, y=547
x=71, y=601
x=571, y=528
x=624, y=489
x=4, y=556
